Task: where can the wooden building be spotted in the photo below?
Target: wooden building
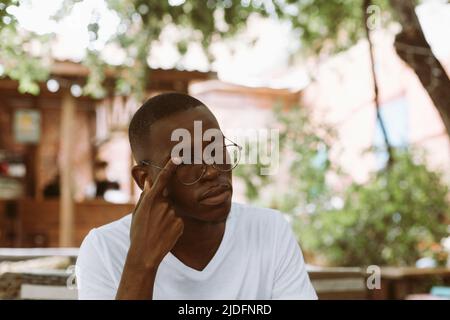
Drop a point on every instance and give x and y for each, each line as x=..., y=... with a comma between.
x=60, y=133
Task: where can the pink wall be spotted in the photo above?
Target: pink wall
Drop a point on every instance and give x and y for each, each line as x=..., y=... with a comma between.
x=342, y=95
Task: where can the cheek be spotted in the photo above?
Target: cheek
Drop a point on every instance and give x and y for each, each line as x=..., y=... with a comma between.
x=183, y=195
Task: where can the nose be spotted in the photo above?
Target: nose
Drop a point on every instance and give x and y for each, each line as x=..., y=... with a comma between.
x=210, y=173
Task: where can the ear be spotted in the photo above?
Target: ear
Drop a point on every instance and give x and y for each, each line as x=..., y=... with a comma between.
x=140, y=174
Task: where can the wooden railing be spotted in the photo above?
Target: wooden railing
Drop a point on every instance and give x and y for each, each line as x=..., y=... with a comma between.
x=338, y=283
x=45, y=274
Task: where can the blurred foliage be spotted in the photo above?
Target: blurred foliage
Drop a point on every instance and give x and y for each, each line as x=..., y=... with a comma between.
x=304, y=161
x=305, y=145
x=396, y=217
x=94, y=87
x=326, y=26
x=250, y=175
x=386, y=221
x=320, y=25
x=15, y=58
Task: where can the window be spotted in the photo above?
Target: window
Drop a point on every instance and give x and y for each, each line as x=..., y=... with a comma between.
x=395, y=118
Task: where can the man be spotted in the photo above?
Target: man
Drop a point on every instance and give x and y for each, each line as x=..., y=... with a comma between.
x=185, y=238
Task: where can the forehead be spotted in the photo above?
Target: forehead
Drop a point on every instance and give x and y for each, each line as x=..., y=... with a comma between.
x=160, y=142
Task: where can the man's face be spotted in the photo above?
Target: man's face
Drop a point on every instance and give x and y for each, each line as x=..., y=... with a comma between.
x=209, y=199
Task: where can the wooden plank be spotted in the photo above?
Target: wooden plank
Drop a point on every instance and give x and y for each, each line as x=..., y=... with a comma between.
x=40, y=292
x=17, y=254
x=411, y=272
x=66, y=223
x=344, y=295
x=339, y=285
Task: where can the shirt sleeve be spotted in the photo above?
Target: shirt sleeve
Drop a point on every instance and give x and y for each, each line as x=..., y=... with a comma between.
x=92, y=276
x=291, y=280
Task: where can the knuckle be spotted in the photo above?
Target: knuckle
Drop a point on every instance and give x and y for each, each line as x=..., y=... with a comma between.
x=171, y=216
x=164, y=206
x=179, y=223
x=147, y=196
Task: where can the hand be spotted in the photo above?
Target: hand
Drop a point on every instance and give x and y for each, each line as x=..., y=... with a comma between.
x=155, y=228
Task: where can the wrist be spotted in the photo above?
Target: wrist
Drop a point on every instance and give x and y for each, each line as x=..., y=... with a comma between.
x=137, y=280
x=138, y=261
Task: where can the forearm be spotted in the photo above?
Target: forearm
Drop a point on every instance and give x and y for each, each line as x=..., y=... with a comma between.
x=137, y=280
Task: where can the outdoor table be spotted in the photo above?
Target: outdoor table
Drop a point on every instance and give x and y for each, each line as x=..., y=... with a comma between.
x=17, y=254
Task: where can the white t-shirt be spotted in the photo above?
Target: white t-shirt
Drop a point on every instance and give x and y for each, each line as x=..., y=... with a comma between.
x=258, y=258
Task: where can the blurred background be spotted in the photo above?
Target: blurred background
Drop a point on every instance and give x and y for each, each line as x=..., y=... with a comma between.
x=359, y=91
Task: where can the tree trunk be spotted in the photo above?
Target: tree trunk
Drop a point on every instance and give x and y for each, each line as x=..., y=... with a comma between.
x=413, y=48
x=366, y=5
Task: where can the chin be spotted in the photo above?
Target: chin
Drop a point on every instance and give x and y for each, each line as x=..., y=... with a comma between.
x=214, y=214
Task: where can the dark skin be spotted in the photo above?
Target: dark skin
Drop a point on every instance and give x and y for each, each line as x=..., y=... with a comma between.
x=170, y=216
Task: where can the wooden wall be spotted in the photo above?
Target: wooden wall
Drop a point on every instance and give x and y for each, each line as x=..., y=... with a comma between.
x=39, y=220
x=8, y=223
x=42, y=159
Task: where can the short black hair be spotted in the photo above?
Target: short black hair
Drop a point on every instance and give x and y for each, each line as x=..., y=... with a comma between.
x=152, y=110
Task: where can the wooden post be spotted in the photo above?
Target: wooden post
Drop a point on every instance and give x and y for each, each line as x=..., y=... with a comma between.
x=31, y=171
x=66, y=207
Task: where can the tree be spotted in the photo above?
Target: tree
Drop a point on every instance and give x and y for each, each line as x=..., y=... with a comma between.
x=334, y=25
x=304, y=147
x=15, y=60
x=141, y=24
x=395, y=218
x=323, y=27
x=427, y=67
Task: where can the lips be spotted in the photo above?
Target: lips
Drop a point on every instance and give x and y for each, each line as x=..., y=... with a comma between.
x=215, y=191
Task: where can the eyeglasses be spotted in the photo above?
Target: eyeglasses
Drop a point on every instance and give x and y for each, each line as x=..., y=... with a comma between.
x=192, y=172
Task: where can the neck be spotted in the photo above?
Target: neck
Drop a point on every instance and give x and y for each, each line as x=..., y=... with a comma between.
x=199, y=242
x=198, y=232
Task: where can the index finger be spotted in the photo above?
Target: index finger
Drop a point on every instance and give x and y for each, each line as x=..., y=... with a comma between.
x=164, y=176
